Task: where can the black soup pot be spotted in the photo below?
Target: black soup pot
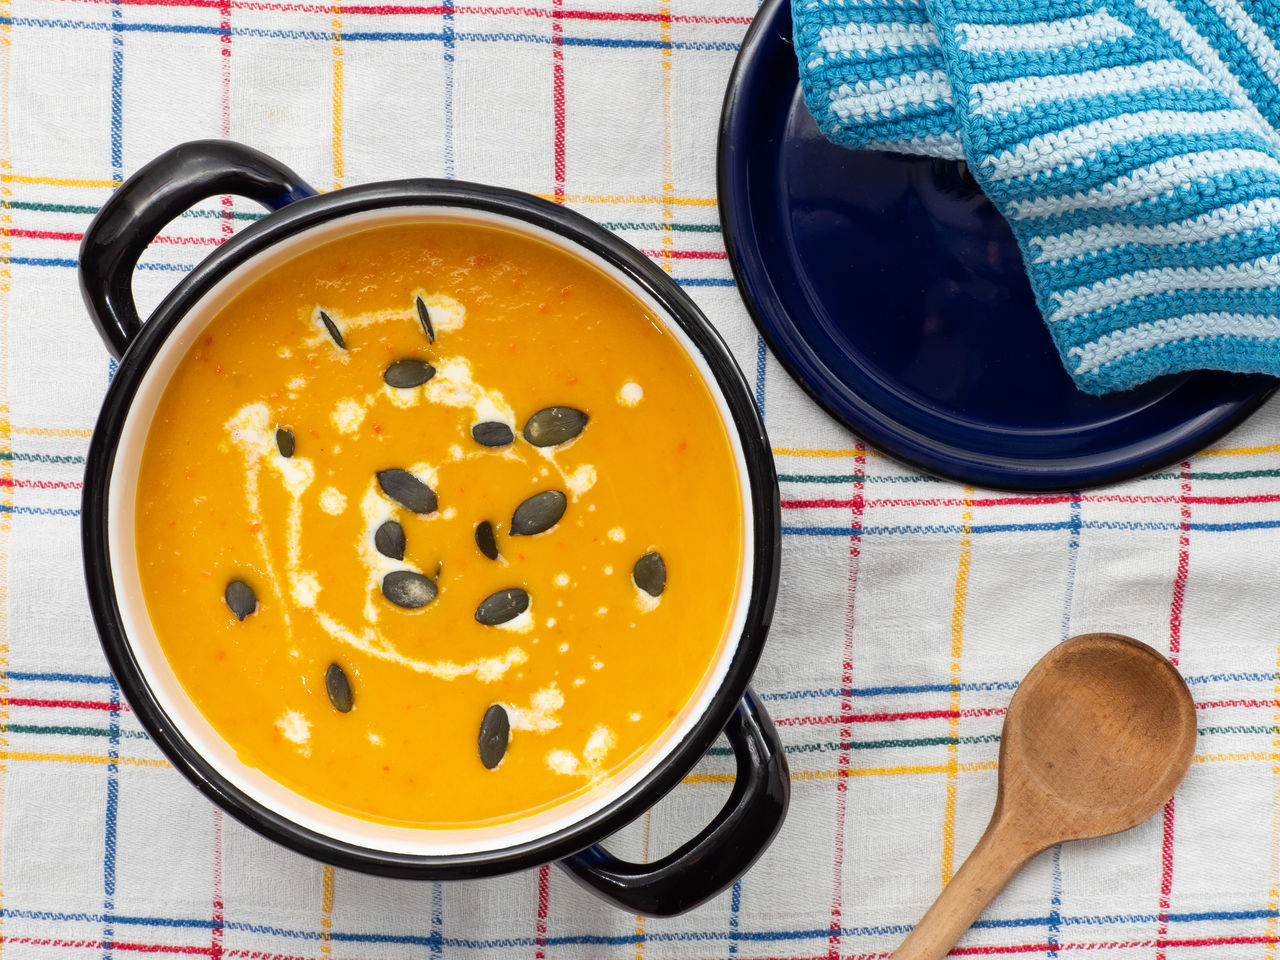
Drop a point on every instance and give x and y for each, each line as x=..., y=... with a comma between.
x=568, y=834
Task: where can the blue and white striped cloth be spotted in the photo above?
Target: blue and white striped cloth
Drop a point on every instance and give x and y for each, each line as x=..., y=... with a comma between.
x=1131, y=144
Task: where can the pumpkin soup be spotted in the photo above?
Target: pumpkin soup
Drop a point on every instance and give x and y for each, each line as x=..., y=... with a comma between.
x=438, y=525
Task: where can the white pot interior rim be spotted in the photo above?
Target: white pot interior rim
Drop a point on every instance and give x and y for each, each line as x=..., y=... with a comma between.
x=190, y=725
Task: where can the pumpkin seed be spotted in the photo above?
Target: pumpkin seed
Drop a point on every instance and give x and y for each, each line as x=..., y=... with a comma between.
x=408, y=373
x=486, y=540
x=495, y=732
x=407, y=490
x=333, y=330
x=407, y=589
x=540, y=512
x=339, y=688
x=389, y=540
x=424, y=318
x=650, y=574
x=241, y=599
x=554, y=425
x=284, y=442
x=492, y=433
x=502, y=606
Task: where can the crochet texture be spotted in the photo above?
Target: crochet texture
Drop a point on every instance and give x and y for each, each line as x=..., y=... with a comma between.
x=1131, y=145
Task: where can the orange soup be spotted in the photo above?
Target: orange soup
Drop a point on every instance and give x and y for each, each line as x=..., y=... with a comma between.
x=438, y=525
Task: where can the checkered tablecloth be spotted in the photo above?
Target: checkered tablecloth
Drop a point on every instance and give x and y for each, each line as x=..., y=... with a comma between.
x=909, y=607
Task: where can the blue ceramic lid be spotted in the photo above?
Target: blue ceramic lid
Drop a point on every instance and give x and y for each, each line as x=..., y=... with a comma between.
x=893, y=291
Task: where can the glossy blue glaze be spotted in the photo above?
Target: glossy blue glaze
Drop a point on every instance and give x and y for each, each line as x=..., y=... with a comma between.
x=894, y=292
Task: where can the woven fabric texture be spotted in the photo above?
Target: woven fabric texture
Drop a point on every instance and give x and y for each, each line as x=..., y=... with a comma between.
x=1131, y=145
x=909, y=607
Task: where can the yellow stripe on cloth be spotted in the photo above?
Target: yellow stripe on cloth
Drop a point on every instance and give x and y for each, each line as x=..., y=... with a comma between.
x=1239, y=451
x=31, y=756
x=632, y=199
x=326, y=912
x=953, y=722
x=668, y=175
x=339, y=165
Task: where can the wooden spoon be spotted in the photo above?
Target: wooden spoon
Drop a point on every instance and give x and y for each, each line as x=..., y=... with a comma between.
x=1097, y=737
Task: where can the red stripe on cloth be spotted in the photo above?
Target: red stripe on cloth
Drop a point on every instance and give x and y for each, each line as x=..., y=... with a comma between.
x=439, y=10
x=650, y=17
x=557, y=93
x=41, y=484
x=842, y=504
x=888, y=717
x=688, y=254
x=109, y=945
x=1166, y=879
x=224, y=49
x=1175, y=646
x=544, y=902
x=73, y=237
x=1210, y=704
x=994, y=950
x=846, y=703
x=71, y=704
x=215, y=935
x=1184, y=564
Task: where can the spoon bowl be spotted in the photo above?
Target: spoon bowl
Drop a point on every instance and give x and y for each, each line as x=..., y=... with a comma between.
x=1097, y=737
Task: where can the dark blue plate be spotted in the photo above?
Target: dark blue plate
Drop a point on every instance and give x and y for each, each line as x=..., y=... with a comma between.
x=893, y=292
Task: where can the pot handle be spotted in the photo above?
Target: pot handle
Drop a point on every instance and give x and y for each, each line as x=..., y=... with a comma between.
x=145, y=203
x=724, y=850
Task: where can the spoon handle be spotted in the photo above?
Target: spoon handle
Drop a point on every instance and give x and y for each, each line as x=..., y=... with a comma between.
x=1000, y=853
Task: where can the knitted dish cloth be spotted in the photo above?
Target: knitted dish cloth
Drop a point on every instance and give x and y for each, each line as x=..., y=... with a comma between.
x=1131, y=144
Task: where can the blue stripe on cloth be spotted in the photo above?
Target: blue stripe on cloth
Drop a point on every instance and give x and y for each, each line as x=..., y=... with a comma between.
x=888, y=690
x=1055, y=903
x=27, y=675
x=816, y=933
x=377, y=36
x=760, y=372
x=735, y=907
x=68, y=262
x=110, y=825
x=953, y=529
x=904, y=689
x=38, y=511
x=186, y=267
x=1073, y=557
x=117, y=91
x=437, y=919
